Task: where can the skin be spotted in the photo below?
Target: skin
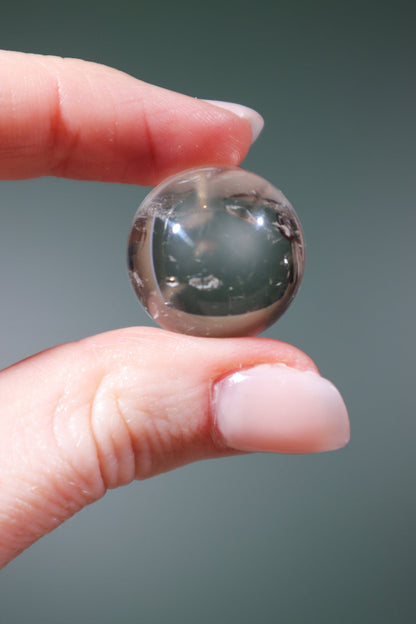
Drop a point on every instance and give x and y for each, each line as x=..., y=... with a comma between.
x=84, y=417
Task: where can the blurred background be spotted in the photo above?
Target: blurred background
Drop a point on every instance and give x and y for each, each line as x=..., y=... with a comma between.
x=328, y=538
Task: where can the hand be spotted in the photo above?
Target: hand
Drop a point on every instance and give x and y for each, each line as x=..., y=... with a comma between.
x=84, y=417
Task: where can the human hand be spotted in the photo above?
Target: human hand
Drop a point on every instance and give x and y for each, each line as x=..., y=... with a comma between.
x=84, y=417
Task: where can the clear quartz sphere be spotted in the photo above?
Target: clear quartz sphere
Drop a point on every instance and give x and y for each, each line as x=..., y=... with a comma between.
x=216, y=251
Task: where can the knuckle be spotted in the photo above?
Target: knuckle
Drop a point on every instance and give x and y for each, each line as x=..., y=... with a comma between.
x=113, y=439
x=114, y=420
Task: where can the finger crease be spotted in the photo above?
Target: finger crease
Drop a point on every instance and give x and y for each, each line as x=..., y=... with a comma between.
x=151, y=155
x=62, y=140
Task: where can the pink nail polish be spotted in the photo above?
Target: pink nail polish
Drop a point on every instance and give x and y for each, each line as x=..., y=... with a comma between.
x=274, y=408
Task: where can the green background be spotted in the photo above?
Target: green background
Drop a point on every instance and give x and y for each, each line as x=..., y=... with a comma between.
x=328, y=538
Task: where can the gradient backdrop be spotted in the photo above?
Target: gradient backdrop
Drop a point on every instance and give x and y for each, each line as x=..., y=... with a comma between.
x=310, y=539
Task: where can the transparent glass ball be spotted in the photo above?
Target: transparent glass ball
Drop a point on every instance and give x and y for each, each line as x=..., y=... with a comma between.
x=216, y=251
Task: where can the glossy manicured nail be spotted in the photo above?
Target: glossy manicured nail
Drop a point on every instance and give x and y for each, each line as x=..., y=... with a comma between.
x=274, y=408
x=253, y=117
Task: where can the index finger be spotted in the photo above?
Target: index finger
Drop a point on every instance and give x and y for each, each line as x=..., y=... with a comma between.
x=76, y=119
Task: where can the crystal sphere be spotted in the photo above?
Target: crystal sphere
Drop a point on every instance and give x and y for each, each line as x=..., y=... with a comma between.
x=216, y=251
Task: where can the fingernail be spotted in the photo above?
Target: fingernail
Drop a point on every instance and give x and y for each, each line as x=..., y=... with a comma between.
x=253, y=117
x=274, y=408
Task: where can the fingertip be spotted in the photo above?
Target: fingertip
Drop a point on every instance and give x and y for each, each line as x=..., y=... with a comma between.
x=255, y=120
x=186, y=132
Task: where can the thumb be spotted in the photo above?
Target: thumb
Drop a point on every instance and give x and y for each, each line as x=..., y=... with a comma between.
x=88, y=416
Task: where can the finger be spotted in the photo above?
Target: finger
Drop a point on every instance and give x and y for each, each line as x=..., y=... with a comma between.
x=88, y=416
x=76, y=119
